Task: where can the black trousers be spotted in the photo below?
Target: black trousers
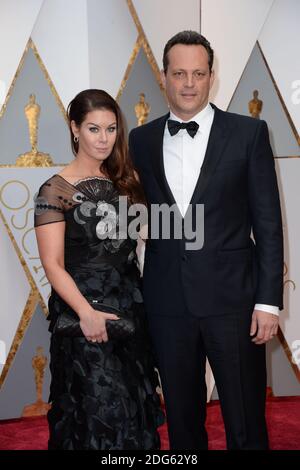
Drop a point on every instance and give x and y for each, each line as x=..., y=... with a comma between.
x=239, y=367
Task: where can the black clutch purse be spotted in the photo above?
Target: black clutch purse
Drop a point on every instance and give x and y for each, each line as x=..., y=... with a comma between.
x=68, y=323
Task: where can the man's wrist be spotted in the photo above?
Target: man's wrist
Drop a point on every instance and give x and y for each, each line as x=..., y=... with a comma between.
x=267, y=308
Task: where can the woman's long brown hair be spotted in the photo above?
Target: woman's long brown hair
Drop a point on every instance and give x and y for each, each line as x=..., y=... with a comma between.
x=118, y=166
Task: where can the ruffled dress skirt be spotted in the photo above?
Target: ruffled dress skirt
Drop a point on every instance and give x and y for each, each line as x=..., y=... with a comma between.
x=104, y=394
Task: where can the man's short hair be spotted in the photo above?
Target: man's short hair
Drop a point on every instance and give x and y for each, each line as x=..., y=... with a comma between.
x=189, y=38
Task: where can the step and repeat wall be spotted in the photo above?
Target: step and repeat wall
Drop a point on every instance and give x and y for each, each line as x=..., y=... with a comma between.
x=49, y=51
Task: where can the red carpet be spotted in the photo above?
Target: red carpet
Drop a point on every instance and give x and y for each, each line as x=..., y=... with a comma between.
x=283, y=418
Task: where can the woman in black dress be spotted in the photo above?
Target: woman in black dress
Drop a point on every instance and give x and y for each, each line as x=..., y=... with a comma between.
x=103, y=391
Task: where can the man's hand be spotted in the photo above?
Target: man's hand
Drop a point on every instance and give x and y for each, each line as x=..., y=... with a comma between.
x=264, y=326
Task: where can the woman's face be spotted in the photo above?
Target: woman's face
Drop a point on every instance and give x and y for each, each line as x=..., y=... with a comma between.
x=97, y=134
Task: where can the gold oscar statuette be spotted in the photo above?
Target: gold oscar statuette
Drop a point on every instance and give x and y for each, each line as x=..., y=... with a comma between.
x=142, y=110
x=34, y=157
x=39, y=362
x=255, y=105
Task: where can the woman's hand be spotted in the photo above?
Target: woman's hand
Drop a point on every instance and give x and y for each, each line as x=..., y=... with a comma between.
x=93, y=327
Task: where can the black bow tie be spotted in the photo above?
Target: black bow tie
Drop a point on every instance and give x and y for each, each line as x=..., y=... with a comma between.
x=175, y=126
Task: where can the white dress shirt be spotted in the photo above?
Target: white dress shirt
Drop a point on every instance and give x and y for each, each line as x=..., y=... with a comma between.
x=182, y=173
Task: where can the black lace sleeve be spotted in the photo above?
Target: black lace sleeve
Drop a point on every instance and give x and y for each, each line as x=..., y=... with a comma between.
x=48, y=205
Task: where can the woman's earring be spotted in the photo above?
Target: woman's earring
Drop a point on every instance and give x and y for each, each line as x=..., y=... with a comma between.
x=76, y=140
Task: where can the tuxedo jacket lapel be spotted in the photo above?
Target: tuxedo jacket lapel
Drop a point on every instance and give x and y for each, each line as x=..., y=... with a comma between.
x=158, y=159
x=215, y=147
x=216, y=143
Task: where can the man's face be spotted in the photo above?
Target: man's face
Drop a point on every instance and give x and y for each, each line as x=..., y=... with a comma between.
x=188, y=80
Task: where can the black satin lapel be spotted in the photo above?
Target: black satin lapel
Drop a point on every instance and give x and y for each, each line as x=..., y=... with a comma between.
x=158, y=159
x=218, y=138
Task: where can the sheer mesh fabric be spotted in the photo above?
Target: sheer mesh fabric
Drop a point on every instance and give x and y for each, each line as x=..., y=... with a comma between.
x=53, y=199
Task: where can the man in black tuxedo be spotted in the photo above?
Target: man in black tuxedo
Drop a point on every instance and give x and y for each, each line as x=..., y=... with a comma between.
x=221, y=300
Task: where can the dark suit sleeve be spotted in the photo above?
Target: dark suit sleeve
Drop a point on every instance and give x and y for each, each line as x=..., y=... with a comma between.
x=266, y=219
